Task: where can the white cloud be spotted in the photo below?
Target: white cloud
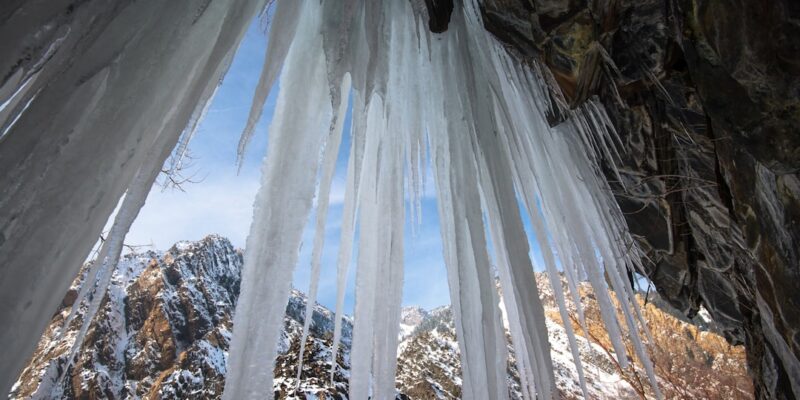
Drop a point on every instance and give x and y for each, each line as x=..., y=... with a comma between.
x=223, y=206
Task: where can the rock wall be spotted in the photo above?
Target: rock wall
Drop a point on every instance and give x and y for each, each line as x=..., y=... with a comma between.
x=164, y=331
x=706, y=98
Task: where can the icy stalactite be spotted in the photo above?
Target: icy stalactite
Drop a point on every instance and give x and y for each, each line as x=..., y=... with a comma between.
x=281, y=34
x=323, y=193
x=98, y=279
x=477, y=319
x=98, y=76
x=526, y=314
x=348, y=226
x=282, y=206
x=390, y=205
x=388, y=302
x=99, y=276
x=524, y=179
x=379, y=275
x=369, y=259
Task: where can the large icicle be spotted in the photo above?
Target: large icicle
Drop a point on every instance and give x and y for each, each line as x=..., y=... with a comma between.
x=477, y=318
x=104, y=75
x=472, y=288
x=525, y=310
x=524, y=179
x=99, y=275
x=138, y=191
x=282, y=206
x=394, y=147
x=323, y=196
x=387, y=321
x=369, y=259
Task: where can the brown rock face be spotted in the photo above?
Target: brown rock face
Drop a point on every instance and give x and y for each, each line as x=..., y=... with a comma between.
x=706, y=97
x=161, y=333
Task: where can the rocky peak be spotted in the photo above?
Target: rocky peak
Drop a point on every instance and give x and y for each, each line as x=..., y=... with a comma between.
x=410, y=319
x=161, y=332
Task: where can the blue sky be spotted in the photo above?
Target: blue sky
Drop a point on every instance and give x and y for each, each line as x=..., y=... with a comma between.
x=222, y=202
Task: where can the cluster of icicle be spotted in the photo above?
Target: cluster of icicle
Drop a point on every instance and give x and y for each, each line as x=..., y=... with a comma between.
x=458, y=100
x=454, y=99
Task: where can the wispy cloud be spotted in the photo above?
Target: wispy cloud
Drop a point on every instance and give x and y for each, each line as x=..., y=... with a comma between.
x=220, y=206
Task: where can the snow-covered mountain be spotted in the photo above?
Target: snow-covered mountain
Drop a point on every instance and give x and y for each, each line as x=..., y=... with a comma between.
x=164, y=330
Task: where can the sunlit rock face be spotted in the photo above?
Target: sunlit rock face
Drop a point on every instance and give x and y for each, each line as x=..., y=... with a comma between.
x=704, y=96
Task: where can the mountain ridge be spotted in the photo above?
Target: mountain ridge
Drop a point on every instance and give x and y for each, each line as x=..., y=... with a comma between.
x=165, y=326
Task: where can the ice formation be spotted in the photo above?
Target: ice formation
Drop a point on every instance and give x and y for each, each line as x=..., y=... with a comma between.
x=456, y=99
x=77, y=135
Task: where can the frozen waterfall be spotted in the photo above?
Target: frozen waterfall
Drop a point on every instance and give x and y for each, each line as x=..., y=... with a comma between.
x=76, y=137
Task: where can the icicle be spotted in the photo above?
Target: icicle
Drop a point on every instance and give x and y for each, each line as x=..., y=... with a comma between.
x=281, y=34
x=472, y=288
x=100, y=274
x=328, y=168
x=159, y=152
x=112, y=246
x=191, y=129
x=471, y=285
x=348, y=222
x=88, y=126
x=516, y=274
x=531, y=156
x=381, y=216
x=339, y=26
x=524, y=178
x=526, y=314
x=384, y=359
x=282, y=206
x=369, y=258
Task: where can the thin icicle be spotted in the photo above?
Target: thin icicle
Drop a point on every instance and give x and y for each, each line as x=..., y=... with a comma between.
x=328, y=167
x=348, y=223
x=384, y=359
x=281, y=35
x=524, y=179
x=194, y=123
